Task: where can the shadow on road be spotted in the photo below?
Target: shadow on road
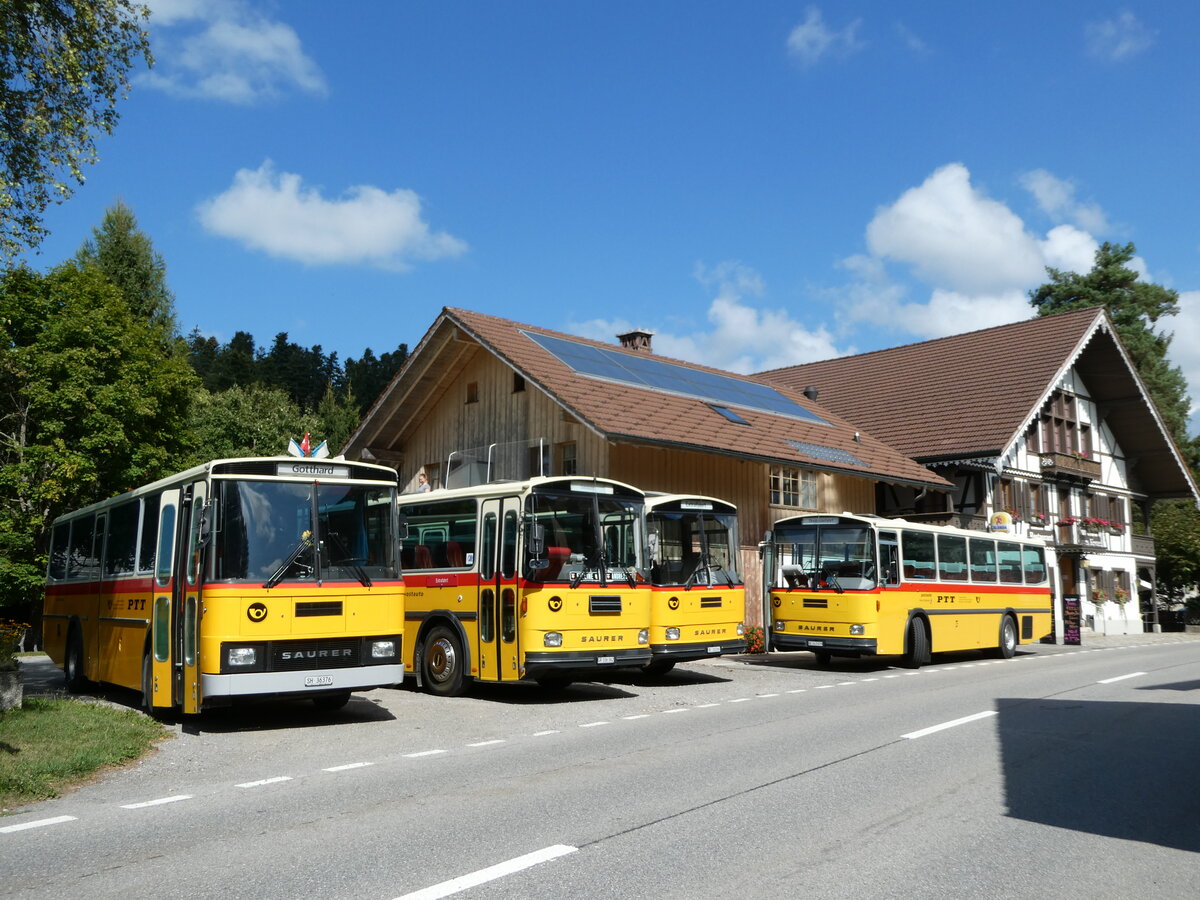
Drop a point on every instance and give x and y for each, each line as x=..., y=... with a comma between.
x=1123, y=770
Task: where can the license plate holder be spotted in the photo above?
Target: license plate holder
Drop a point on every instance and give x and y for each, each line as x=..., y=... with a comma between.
x=318, y=681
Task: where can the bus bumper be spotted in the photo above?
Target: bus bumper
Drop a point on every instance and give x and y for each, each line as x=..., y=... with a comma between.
x=684, y=652
x=842, y=646
x=538, y=664
x=358, y=678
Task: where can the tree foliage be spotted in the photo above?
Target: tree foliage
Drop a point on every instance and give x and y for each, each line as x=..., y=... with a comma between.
x=91, y=401
x=245, y=420
x=64, y=64
x=1176, y=527
x=123, y=252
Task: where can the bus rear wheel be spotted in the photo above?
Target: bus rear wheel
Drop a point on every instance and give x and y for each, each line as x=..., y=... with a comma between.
x=73, y=663
x=918, y=645
x=442, y=663
x=1008, y=638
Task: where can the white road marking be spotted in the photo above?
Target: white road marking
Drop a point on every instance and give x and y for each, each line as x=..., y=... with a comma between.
x=39, y=823
x=912, y=735
x=347, y=767
x=1121, y=677
x=260, y=783
x=765, y=696
x=488, y=743
x=706, y=705
x=175, y=798
x=638, y=716
x=738, y=700
x=544, y=733
x=491, y=873
x=592, y=724
x=423, y=753
x=677, y=709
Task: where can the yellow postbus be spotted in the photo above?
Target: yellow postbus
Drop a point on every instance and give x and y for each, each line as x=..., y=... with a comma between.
x=541, y=579
x=849, y=585
x=274, y=577
x=699, y=599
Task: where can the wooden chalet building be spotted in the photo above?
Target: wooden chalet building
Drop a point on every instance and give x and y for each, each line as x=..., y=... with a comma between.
x=1043, y=422
x=483, y=398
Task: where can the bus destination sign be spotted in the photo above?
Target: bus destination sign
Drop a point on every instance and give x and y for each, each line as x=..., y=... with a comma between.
x=311, y=469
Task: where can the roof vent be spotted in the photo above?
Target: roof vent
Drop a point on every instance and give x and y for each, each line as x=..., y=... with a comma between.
x=811, y=393
x=636, y=340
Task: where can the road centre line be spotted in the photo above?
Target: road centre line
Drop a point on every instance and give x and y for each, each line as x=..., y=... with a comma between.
x=913, y=735
x=675, y=709
x=765, y=696
x=489, y=743
x=39, y=823
x=174, y=798
x=592, y=724
x=348, y=766
x=544, y=733
x=638, y=716
x=423, y=753
x=1121, y=677
x=260, y=783
x=491, y=873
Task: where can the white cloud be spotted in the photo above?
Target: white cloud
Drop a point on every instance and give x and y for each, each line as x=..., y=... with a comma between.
x=812, y=40
x=275, y=213
x=1056, y=198
x=1185, y=349
x=1118, y=39
x=955, y=237
x=224, y=50
x=742, y=338
x=1069, y=249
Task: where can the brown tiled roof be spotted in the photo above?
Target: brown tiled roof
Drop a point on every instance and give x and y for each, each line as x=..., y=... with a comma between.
x=622, y=412
x=972, y=395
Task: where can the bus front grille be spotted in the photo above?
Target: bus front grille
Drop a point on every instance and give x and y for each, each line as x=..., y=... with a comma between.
x=816, y=603
x=710, y=602
x=290, y=656
x=604, y=604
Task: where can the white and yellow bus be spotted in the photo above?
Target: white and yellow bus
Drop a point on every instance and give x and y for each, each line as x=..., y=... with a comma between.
x=699, y=600
x=851, y=585
x=270, y=577
x=541, y=580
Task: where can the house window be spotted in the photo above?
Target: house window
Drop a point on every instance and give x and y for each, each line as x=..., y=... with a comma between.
x=518, y=383
x=793, y=487
x=567, y=462
x=1061, y=430
x=473, y=392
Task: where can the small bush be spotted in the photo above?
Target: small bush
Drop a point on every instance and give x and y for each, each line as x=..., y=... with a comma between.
x=755, y=639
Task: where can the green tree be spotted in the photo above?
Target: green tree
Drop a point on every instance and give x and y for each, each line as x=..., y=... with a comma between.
x=1135, y=307
x=1176, y=527
x=371, y=374
x=91, y=404
x=125, y=255
x=245, y=420
x=338, y=417
x=64, y=64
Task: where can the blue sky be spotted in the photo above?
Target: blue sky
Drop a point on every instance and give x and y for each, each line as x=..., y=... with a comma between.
x=760, y=184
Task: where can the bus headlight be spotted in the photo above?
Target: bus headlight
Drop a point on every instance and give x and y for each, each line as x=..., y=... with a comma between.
x=741, y=629
x=672, y=634
x=242, y=656
x=778, y=626
x=858, y=629
x=552, y=639
x=644, y=636
x=383, y=649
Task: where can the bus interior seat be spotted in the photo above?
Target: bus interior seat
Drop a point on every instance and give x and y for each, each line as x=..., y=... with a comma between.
x=557, y=557
x=454, y=554
x=424, y=560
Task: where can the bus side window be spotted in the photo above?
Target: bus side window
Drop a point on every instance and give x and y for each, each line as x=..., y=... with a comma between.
x=889, y=556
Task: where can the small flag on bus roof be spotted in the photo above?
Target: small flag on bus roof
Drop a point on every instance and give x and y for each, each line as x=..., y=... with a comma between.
x=305, y=449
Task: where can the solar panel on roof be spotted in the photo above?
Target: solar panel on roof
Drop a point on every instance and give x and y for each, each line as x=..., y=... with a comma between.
x=830, y=454
x=670, y=378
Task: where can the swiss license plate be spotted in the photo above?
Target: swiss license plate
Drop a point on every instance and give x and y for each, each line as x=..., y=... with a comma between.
x=318, y=681
x=714, y=649
x=601, y=660
x=816, y=643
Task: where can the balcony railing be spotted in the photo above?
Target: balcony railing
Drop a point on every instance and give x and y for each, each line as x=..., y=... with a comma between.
x=1068, y=465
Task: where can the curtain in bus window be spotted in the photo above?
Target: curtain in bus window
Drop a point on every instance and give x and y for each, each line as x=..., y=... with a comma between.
x=1009, y=558
x=1035, y=564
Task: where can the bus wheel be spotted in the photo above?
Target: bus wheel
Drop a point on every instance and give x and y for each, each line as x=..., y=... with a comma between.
x=1008, y=638
x=824, y=657
x=442, y=663
x=73, y=665
x=918, y=644
x=658, y=667
x=331, y=702
x=147, y=685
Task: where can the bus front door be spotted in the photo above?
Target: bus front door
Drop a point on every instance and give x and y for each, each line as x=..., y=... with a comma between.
x=497, y=551
x=192, y=570
x=159, y=666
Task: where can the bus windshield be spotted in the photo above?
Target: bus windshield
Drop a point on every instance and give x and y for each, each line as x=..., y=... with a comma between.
x=271, y=531
x=584, y=537
x=692, y=549
x=838, y=557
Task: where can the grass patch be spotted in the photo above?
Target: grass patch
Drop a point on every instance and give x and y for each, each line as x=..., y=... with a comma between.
x=51, y=744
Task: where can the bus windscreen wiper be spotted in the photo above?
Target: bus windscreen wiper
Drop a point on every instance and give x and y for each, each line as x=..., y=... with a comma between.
x=305, y=543
x=354, y=564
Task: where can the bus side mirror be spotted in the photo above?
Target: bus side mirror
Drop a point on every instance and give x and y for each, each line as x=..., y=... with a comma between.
x=537, y=539
x=402, y=528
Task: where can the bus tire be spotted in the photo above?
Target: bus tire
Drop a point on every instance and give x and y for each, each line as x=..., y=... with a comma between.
x=824, y=657
x=918, y=645
x=1008, y=638
x=442, y=663
x=658, y=667
x=147, y=684
x=73, y=662
x=332, y=701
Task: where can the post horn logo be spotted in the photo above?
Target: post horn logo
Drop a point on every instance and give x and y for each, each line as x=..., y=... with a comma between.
x=555, y=604
x=673, y=603
x=256, y=612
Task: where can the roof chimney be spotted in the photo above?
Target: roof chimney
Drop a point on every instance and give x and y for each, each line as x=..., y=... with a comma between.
x=636, y=340
x=811, y=393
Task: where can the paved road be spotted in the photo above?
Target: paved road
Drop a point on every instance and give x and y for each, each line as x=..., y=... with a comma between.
x=1055, y=773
